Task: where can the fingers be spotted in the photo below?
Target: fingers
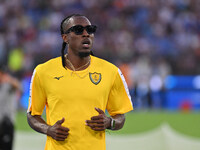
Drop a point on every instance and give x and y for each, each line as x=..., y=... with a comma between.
x=60, y=137
x=99, y=110
x=100, y=116
x=92, y=125
x=57, y=131
x=64, y=129
x=96, y=127
x=60, y=132
x=97, y=117
x=59, y=126
x=95, y=121
x=60, y=121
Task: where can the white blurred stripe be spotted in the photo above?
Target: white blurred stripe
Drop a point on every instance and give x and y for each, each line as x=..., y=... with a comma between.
x=30, y=91
x=125, y=85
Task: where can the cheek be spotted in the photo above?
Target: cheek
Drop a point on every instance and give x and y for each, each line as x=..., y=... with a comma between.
x=75, y=41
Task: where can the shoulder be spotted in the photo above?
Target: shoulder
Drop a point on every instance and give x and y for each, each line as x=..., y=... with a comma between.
x=51, y=65
x=102, y=63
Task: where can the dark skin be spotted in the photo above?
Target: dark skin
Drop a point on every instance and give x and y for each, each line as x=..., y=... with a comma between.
x=97, y=123
x=57, y=131
x=75, y=43
x=102, y=122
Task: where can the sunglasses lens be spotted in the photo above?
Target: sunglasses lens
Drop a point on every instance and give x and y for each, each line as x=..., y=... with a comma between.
x=78, y=29
x=91, y=29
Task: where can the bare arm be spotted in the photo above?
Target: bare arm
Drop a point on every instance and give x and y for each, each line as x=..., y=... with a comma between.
x=37, y=123
x=102, y=122
x=56, y=131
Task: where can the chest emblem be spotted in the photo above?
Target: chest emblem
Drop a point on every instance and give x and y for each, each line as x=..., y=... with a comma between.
x=95, y=77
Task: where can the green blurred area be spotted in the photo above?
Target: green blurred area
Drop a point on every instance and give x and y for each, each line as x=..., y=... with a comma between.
x=187, y=123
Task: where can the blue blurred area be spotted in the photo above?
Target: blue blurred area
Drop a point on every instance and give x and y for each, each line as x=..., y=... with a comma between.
x=183, y=99
x=24, y=99
x=182, y=92
x=182, y=82
x=178, y=93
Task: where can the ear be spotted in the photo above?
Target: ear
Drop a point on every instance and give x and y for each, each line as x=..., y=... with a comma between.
x=65, y=38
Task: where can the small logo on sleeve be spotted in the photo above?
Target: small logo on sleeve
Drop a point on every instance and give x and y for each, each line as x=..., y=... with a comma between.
x=58, y=78
x=95, y=77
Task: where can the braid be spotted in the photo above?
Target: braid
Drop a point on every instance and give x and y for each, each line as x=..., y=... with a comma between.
x=63, y=54
x=63, y=25
x=91, y=52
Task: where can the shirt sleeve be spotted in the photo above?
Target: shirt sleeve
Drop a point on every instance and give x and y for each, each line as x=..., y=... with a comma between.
x=37, y=97
x=119, y=101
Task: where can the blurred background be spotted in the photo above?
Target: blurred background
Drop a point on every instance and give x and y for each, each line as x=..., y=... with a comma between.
x=155, y=43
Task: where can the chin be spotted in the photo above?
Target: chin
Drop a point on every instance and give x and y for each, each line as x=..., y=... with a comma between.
x=84, y=54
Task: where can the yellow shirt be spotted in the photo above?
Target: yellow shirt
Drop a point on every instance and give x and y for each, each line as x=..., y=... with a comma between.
x=74, y=96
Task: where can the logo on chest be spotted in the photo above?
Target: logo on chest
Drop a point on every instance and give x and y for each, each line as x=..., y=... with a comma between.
x=95, y=77
x=58, y=78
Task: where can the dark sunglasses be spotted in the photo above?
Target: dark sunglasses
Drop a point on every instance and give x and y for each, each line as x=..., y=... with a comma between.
x=78, y=29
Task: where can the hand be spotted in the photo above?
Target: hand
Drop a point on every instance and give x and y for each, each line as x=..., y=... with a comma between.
x=57, y=131
x=100, y=122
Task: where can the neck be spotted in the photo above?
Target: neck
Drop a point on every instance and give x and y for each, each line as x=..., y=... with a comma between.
x=77, y=63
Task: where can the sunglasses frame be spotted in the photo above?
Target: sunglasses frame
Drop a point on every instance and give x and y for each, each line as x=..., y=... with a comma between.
x=87, y=28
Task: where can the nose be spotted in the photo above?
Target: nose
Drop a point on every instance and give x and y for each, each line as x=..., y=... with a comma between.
x=85, y=34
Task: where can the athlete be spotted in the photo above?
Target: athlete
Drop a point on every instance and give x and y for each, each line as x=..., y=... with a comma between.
x=76, y=89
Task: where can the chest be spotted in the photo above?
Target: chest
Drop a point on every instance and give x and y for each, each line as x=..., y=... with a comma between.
x=72, y=88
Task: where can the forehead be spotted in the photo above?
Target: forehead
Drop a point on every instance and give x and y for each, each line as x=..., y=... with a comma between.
x=78, y=20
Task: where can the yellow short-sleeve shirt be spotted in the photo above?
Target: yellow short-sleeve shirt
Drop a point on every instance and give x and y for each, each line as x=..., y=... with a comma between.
x=74, y=96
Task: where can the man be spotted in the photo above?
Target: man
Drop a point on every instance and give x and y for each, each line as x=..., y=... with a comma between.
x=76, y=91
x=10, y=90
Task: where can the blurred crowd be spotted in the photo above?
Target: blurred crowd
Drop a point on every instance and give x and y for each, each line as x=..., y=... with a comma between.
x=147, y=39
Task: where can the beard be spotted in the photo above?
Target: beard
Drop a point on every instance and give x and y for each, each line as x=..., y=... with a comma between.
x=84, y=54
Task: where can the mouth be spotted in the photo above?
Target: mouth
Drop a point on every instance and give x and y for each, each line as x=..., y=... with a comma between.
x=86, y=43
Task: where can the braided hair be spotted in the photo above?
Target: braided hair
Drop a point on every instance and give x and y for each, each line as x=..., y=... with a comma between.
x=63, y=25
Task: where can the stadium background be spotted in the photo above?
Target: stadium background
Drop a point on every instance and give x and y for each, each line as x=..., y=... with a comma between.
x=156, y=44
